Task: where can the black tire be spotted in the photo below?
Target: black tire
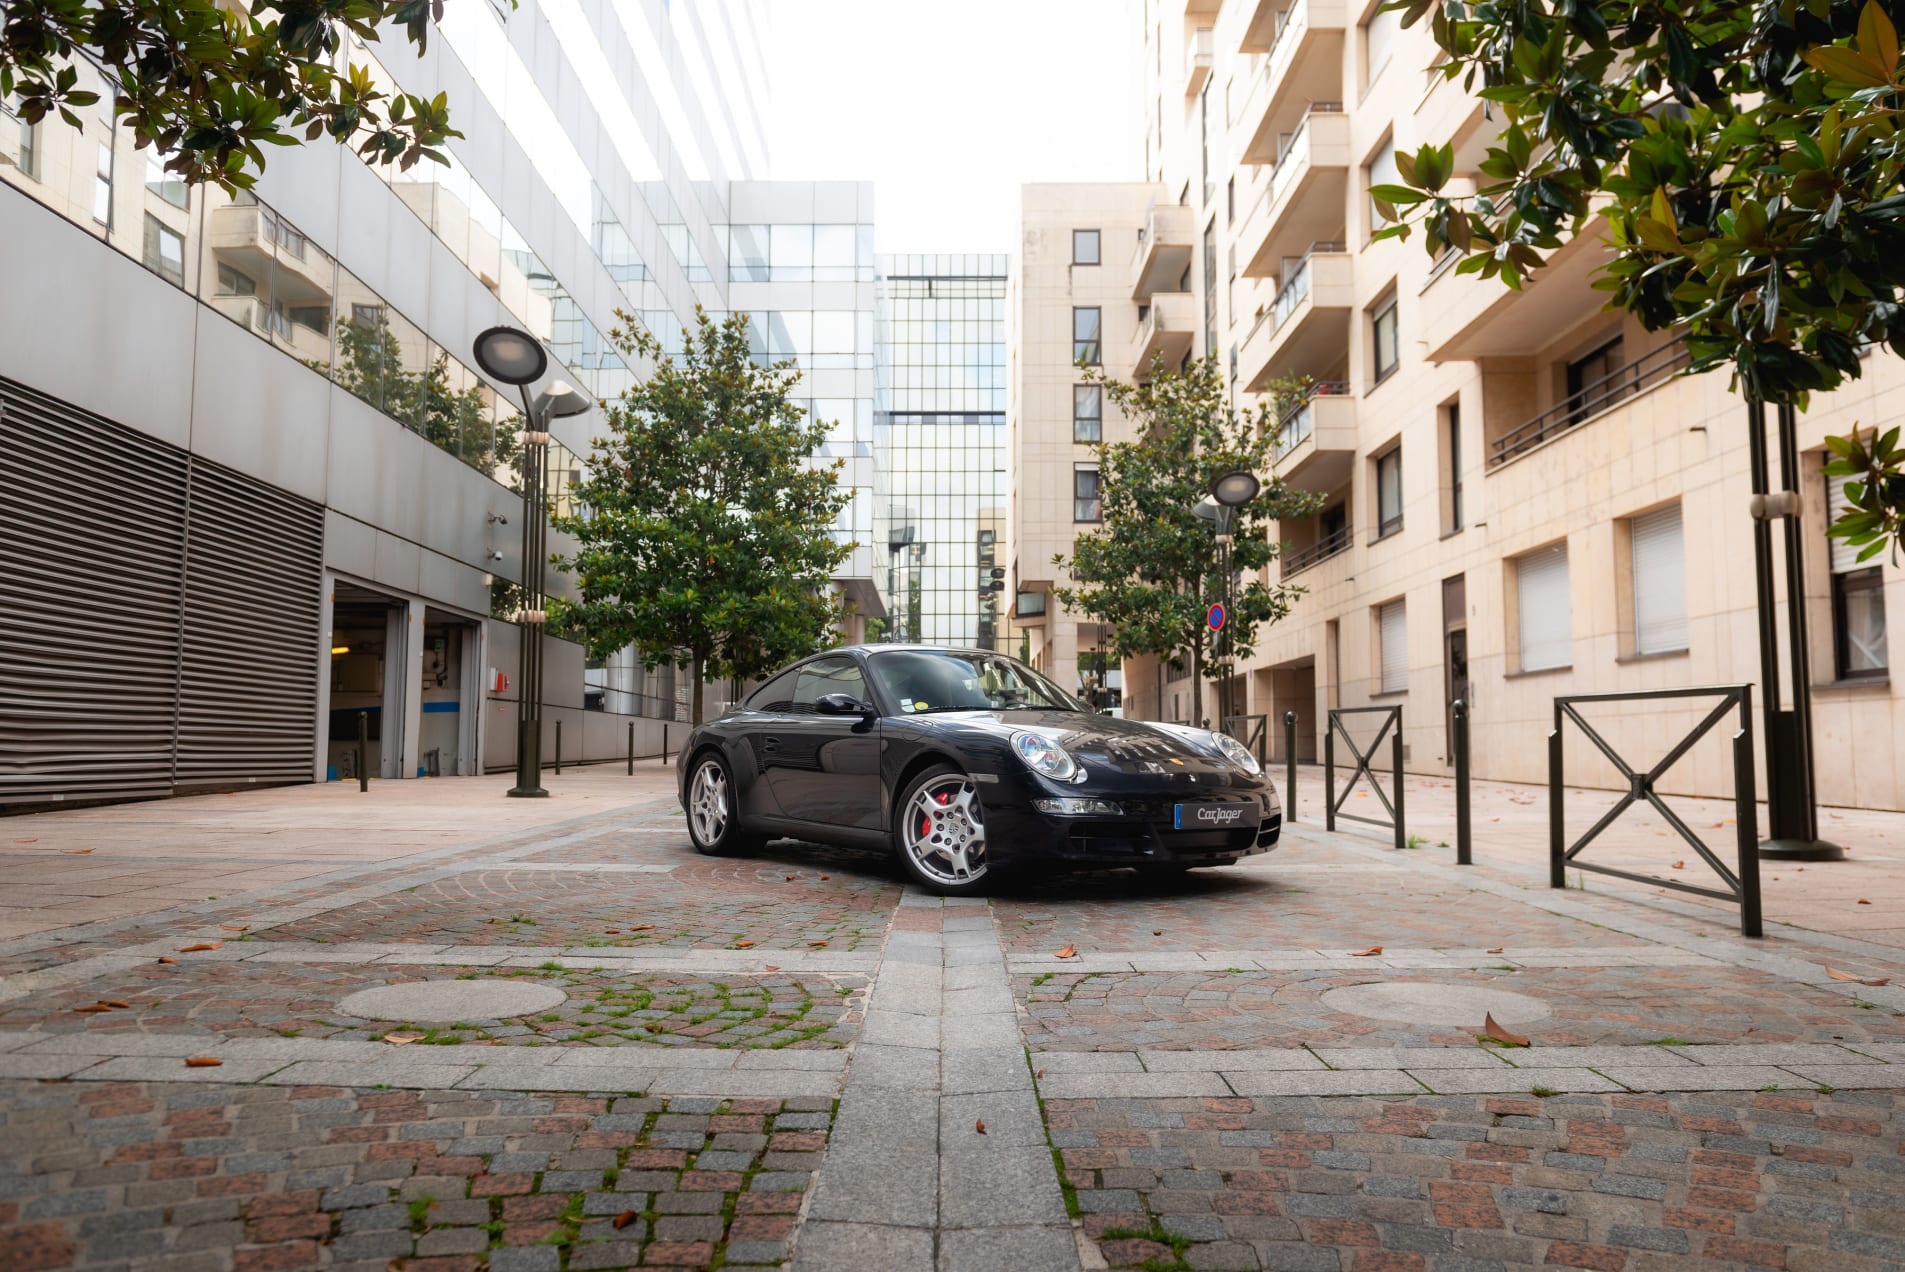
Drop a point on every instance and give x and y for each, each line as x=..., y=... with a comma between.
x=714, y=819
x=937, y=853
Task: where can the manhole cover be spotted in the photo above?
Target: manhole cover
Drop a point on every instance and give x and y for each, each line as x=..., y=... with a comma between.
x=448, y=1001
x=1427, y=1003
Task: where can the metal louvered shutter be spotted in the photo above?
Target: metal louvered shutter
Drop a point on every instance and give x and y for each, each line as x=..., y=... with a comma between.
x=248, y=669
x=1547, y=621
x=93, y=517
x=1842, y=556
x=1392, y=626
x=1660, y=582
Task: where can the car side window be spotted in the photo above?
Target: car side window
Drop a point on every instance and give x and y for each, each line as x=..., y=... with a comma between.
x=824, y=676
x=777, y=695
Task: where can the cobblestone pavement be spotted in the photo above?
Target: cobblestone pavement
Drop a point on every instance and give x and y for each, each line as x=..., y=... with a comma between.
x=791, y=1059
x=152, y=1175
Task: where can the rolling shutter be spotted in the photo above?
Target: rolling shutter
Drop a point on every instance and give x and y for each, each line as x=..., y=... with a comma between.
x=1541, y=592
x=1843, y=556
x=1393, y=635
x=92, y=516
x=248, y=665
x=1660, y=582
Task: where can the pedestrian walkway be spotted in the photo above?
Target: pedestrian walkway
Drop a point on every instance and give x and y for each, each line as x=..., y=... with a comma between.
x=536, y=1037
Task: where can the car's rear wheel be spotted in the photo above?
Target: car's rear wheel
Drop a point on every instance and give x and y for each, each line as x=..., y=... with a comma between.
x=714, y=822
x=942, y=832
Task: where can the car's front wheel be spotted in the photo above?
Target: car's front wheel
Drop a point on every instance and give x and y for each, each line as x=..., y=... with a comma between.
x=942, y=832
x=714, y=823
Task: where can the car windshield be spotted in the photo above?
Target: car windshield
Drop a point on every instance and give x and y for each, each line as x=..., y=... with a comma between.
x=950, y=680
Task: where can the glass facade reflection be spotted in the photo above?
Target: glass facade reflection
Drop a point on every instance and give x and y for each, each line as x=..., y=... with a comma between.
x=941, y=407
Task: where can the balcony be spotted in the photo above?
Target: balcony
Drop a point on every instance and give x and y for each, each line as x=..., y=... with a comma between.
x=1166, y=331
x=1333, y=544
x=1643, y=373
x=1304, y=41
x=1202, y=8
x=1304, y=199
x=1164, y=250
x=1200, y=52
x=256, y=241
x=1452, y=115
x=1481, y=318
x=1307, y=326
x=1316, y=439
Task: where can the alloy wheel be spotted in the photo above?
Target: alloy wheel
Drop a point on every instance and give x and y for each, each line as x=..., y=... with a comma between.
x=945, y=830
x=708, y=803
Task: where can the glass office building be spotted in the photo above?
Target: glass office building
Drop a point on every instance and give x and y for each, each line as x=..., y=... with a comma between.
x=276, y=406
x=941, y=413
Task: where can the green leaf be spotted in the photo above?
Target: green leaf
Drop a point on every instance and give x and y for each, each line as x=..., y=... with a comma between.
x=1846, y=66
x=1396, y=194
x=1878, y=38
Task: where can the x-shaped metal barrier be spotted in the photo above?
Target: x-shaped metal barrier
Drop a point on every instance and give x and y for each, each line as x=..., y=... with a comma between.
x=1391, y=728
x=1742, y=887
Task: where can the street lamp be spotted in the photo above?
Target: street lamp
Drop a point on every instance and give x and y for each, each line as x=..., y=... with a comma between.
x=517, y=358
x=1228, y=492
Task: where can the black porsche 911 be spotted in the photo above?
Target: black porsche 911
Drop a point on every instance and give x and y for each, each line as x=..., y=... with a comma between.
x=966, y=763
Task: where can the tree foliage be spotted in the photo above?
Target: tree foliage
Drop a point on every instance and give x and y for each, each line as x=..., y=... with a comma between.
x=370, y=364
x=1747, y=157
x=708, y=530
x=211, y=83
x=1153, y=567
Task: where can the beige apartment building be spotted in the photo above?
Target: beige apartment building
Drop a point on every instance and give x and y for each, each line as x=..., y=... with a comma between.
x=1524, y=497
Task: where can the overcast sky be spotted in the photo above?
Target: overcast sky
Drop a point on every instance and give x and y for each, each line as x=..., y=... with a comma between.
x=950, y=108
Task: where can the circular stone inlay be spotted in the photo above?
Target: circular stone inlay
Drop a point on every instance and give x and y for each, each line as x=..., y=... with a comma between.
x=448, y=1001
x=1428, y=1003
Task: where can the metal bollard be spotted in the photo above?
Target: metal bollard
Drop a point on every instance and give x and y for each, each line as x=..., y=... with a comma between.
x=1557, y=827
x=631, y=748
x=1395, y=766
x=363, y=750
x=1746, y=820
x=1289, y=766
x=664, y=744
x=1462, y=829
x=558, y=748
x=1329, y=776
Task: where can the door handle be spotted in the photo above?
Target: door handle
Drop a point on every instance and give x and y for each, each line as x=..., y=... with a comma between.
x=770, y=744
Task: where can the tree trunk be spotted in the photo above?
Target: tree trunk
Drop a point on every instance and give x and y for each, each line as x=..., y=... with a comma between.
x=696, y=664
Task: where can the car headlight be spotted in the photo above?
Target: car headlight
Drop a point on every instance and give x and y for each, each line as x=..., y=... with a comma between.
x=1044, y=756
x=1237, y=753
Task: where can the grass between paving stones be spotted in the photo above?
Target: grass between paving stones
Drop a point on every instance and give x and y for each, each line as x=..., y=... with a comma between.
x=1155, y=1233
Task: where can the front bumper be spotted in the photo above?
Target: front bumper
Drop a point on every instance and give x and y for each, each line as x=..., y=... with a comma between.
x=1142, y=836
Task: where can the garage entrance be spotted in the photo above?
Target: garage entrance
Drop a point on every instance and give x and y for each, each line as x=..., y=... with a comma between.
x=451, y=695
x=367, y=641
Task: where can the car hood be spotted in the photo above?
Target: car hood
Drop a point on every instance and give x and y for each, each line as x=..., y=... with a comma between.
x=1127, y=746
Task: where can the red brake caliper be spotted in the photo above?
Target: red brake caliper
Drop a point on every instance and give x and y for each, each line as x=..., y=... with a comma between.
x=926, y=823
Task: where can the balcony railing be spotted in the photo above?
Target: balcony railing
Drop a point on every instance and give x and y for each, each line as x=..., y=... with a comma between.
x=1295, y=152
x=1643, y=373
x=1322, y=550
x=1296, y=283
x=1199, y=55
x=1299, y=422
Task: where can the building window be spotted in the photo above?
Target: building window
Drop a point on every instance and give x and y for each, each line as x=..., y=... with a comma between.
x=1086, y=342
x=1858, y=602
x=1088, y=413
x=28, y=155
x=1203, y=141
x=102, y=187
x=1210, y=288
x=1029, y=605
x=234, y=282
x=1543, y=609
x=1086, y=505
x=1380, y=170
x=1389, y=493
x=1085, y=247
x=1660, y=582
x=1392, y=641
x=1590, y=380
x=1382, y=325
x=1379, y=41
x=1230, y=206
x=166, y=185
x=164, y=251
x=1452, y=432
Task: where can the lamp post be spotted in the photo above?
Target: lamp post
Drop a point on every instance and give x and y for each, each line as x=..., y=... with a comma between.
x=1228, y=492
x=517, y=358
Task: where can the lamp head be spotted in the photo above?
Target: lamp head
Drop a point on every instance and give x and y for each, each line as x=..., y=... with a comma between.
x=1236, y=488
x=563, y=398
x=512, y=356
x=1207, y=508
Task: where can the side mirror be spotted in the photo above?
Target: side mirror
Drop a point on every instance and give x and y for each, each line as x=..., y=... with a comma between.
x=839, y=704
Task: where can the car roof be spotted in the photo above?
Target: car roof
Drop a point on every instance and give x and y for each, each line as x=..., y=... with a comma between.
x=887, y=646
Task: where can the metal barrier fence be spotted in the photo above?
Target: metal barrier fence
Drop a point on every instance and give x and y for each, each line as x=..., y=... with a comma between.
x=1742, y=887
x=1333, y=804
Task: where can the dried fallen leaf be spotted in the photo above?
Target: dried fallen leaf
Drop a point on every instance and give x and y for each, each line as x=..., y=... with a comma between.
x=1679, y=865
x=1876, y=981
x=773, y=967
x=202, y=945
x=236, y=927
x=168, y=960
x=76, y=852
x=1159, y=932
x=980, y=1126
x=202, y=1062
x=611, y=931
x=1498, y=949
x=652, y=1028
x=1371, y=952
x=819, y=945
x=34, y=840
x=1500, y=1034
x=624, y=1219
x=790, y=878
x=826, y=876
x=1070, y=951
x=114, y=1002
x=1863, y=901
x=94, y=1007
x=643, y=927
x=1040, y=1074
x=742, y=945
x=402, y=1039
x=1836, y=974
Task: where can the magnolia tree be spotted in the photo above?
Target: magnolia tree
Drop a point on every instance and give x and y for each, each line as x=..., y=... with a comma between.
x=1747, y=159
x=707, y=529
x=1152, y=569
x=211, y=83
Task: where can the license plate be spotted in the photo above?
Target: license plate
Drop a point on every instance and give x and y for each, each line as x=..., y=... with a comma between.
x=1226, y=816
